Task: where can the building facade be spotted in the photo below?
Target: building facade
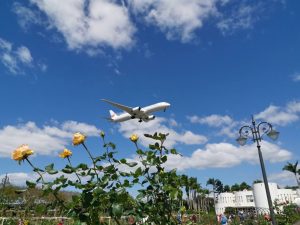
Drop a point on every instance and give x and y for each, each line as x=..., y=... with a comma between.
x=255, y=198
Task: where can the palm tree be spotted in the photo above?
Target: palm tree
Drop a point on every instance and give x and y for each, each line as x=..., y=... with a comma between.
x=293, y=169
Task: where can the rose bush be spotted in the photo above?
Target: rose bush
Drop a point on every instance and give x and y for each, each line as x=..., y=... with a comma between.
x=103, y=187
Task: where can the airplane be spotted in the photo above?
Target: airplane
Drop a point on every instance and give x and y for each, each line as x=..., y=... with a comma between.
x=143, y=114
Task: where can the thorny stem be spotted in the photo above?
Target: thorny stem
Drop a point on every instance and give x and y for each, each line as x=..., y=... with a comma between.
x=93, y=160
x=75, y=171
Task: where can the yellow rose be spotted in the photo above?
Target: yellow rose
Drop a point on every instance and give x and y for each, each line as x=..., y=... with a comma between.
x=134, y=138
x=66, y=153
x=21, y=153
x=78, y=138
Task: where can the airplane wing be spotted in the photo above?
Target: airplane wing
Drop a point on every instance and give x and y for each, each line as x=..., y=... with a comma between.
x=122, y=107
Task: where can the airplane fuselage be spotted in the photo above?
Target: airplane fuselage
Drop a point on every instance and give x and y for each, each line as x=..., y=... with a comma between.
x=143, y=114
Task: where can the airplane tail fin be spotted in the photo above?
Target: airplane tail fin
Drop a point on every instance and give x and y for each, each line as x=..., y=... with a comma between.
x=112, y=114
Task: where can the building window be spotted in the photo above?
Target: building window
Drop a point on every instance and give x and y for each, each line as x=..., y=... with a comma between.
x=249, y=198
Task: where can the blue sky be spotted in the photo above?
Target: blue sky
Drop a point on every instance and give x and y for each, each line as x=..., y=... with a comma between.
x=216, y=61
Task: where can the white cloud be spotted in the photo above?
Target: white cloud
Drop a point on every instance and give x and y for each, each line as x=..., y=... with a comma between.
x=296, y=77
x=225, y=155
x=16, y=60
x=26, y=16
x=212, y=120
x=242, y=17
x=44, y=140
x=281, y=115
x=89, y=24
x=24, y=55
x=176, y=18
x=19, y=178
x=283, y=178
x=159, y=125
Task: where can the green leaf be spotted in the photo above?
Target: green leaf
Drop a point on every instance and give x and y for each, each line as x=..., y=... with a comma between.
x=117, y=210
x=138, y=172
x=30, y=184
x=132, y=164
x=126, y=183
x=174, y=193
x=38, y=170
x=67, y=170
x=49, y=167
x=140, y=152
x=174, y=151
x=52, y=172
x=164, y=158
x=82, y=166
x=123, y=161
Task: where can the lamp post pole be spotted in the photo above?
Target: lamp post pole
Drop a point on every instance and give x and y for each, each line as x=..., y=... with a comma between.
x=257, y=131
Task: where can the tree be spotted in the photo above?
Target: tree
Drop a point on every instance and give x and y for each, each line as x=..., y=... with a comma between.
x=244, y=186
x=293, y=169
x=235, y=187
x=226, y=188
x=217, y=185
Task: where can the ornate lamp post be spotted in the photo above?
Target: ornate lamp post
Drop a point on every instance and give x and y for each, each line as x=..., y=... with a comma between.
x=256, y=132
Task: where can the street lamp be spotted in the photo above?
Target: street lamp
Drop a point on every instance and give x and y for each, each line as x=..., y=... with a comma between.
x=256, y=132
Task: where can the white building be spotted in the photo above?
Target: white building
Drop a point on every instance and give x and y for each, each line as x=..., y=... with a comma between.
x=254, y=199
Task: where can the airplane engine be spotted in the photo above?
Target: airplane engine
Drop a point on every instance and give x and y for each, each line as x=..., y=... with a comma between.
x=136, y=109
x=151, y=117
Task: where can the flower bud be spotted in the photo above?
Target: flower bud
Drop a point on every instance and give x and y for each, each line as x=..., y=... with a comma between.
x=102, y=134
x=134, y=138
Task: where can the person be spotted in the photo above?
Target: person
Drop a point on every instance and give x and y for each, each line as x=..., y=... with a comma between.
x=179, y=218
x=224, y=219
x=61, y=222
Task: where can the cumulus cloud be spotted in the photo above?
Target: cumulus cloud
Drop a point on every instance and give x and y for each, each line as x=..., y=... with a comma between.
x=89, y=24
x=281, y=115
x=44, y=140
x=176, y=18
x=16, y=60
x=227, y=126
x=283, y=178
x=19, y=178
x=225, y=155
x=212, y=120
x=159, y=125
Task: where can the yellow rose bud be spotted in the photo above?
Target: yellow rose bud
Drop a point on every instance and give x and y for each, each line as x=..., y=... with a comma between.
x=78, y=138
x=21, y=153
x=66, y=153
x=134, y=138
